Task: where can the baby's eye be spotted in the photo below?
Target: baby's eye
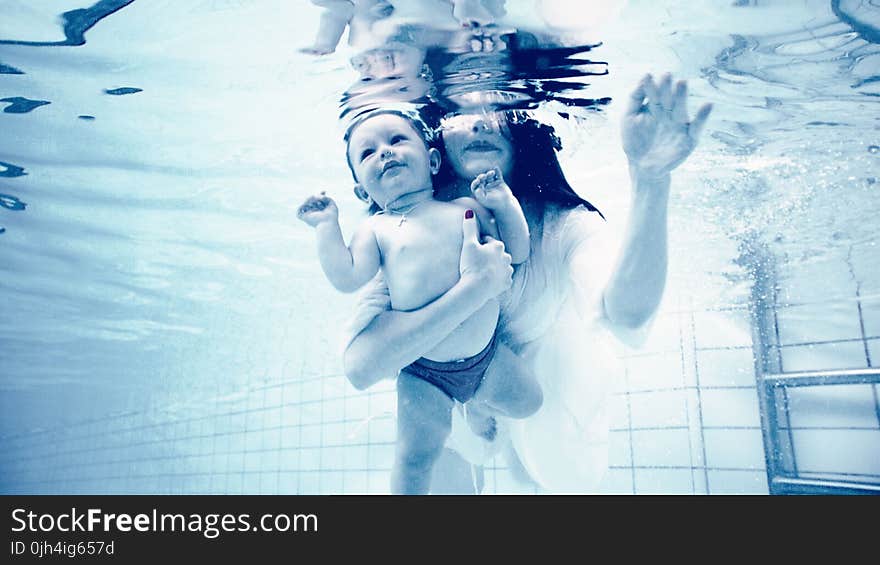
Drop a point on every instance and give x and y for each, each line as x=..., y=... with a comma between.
x=366, y=153
x=398, y=138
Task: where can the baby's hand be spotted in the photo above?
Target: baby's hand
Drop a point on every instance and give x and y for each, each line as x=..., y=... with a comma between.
x=317, y=210
x=490, y=190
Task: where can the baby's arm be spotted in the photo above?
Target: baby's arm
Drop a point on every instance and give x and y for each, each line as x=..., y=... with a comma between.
x=491, y=191
x=347, y=268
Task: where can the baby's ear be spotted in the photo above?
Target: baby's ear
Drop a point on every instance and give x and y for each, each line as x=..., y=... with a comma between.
x=434, y=160
x=362, y=194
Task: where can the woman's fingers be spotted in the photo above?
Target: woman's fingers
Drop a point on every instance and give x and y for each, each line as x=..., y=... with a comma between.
x=491, y=242
x=679, y=102
x=469, y=230
x=699, y=121
x=637, y=98
x=487, y=261
x=653, y=94
x=665, y=92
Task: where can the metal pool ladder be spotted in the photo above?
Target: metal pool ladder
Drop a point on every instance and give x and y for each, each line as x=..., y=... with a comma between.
x=779, y=479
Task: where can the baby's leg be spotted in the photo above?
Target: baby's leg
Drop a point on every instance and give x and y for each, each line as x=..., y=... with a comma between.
x=424, y=419
x=509, y=387
x=334, y=19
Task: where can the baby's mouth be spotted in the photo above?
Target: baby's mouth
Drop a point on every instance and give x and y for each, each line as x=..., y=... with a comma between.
x=391, y=165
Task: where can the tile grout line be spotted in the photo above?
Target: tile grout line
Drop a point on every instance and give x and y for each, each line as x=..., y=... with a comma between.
x=867, y=349
x=687, y=407
x=852, y=272
x=632, y=461
x=699, y=403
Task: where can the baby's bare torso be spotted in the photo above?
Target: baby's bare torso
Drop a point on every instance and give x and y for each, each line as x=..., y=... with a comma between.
x=420, y=261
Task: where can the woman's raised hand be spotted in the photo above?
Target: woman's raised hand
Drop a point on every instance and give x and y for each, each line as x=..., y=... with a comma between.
x=657, y=132
x=486, y=263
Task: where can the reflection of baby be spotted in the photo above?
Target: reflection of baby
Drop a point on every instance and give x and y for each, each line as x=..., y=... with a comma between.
x=478, y=12
x=393, y=72
x=393, y=59
x=416, y=241
x=360, y=15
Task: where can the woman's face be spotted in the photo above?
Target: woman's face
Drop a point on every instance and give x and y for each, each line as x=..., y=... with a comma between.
x=476, y=143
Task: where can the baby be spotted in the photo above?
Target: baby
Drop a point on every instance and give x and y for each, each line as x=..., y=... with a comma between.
x=416, y=241
x=359, y=16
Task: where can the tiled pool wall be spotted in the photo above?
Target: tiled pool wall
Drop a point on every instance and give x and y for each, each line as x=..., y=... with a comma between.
x=685, y=415
x=684, y=420
x=698, y=429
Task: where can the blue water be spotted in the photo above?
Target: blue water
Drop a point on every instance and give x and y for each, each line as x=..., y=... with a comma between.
x=153, y=153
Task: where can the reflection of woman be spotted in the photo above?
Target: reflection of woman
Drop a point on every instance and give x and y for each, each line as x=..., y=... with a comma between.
x=572, y=292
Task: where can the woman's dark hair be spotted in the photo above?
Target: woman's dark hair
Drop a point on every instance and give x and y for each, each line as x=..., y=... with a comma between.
x=537, y=177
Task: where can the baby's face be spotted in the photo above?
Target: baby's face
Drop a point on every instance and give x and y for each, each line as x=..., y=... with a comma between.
x=389, y=158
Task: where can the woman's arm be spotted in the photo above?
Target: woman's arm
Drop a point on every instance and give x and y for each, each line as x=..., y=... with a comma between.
x=636, y=285
x=657, y=137
x=394, y=339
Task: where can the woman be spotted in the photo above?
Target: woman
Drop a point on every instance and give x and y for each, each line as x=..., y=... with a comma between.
x=569, y=296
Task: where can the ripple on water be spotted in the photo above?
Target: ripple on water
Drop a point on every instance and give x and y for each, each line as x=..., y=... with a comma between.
x=21, y=105
x=122, y=91
x=11, y=171
x=11, y=202
x=75, y=23
x=8, y=70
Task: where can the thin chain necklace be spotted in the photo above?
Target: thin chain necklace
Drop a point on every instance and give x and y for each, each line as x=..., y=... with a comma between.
x=409, y=210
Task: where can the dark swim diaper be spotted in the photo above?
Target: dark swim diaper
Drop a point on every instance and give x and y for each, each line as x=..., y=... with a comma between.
x=458, y=379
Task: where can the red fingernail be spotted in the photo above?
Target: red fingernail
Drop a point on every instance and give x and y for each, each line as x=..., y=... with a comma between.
x=469, y=214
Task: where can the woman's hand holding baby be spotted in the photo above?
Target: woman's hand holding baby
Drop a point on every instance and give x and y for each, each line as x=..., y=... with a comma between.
x=485, y=264
x=318, y=209
x=490, y=190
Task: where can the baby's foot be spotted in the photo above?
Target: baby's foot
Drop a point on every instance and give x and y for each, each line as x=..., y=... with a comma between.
x=481, y=423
